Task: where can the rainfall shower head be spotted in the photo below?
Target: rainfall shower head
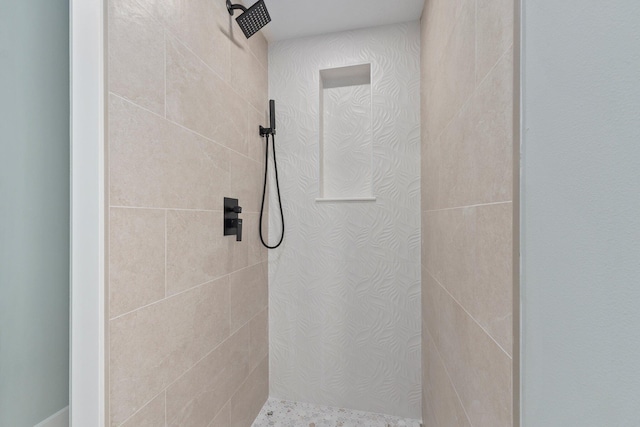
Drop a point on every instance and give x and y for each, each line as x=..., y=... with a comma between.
x=251, y=20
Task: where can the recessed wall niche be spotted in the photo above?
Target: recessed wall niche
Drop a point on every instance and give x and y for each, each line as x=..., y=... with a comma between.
x=346, y=143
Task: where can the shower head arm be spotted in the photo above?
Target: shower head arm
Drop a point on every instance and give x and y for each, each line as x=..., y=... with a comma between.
x=232, y=7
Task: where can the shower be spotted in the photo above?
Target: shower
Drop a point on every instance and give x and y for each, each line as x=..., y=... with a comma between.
x=251, y=20
x=265, y=132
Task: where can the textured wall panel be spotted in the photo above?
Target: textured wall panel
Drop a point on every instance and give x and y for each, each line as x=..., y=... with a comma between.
x=346, y=141
x=344, y=292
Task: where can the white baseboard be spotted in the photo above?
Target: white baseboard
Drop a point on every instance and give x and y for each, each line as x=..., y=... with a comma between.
x=59, y=419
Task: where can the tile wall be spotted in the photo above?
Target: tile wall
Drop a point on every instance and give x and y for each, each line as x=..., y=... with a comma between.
x=467, y=211
x=187, y=330
x=344, y=287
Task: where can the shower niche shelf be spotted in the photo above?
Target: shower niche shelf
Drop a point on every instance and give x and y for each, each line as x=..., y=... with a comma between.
x=346, y=134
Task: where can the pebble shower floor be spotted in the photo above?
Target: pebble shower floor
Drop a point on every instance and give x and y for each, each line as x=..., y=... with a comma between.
x=281, y=413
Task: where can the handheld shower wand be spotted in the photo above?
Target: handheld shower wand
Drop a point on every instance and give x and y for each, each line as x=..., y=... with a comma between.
x=272, y=120
x=265, y=132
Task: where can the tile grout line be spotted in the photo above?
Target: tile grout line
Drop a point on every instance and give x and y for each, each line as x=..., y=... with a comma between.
x=495, y=65
x=247, y=379
x=229, y=305
x=208, y=67
x=455, y=390
x=181, y=126
x=141, y=408
x=215, y=279
x=159, y=208
x=468, y=314
x=164, y=32
x=475, y=45
x=220, y=412
x=469, y=206
x=470, y=97
x=209, y=354
x=164, y=390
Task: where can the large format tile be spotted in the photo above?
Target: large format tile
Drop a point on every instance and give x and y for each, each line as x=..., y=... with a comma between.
x=154, y=163
x=257, y=252
x=259, y=338
x=153, y=346
x=260, y=48
x=443, y=400
x=479, y=369
x=247, y=179
x=256, y=144
x=248, y=294
x=200, y=100
x=438, y=23
x=136, y=259
x=493, y=132
x=494, y=33
x=203, y=26
x=467, y=176
x=197, y=250
x=428, y=415
x=136, y=55
x=492, y=299
x=151, y=415
x=453, y=74
x=196, y=397
x=430, y=306
x=474, y=154
x=470, y=253
x=239, y=251
x=249, y=74
x=223, y=419
x=248, y=400
x=432, y=259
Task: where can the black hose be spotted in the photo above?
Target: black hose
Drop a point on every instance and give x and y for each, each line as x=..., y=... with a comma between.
x=264, y=190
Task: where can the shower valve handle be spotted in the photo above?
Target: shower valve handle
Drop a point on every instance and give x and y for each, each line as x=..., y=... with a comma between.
x=238, y=230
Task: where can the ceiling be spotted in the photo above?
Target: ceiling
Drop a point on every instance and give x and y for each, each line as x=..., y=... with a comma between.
x=299, y=18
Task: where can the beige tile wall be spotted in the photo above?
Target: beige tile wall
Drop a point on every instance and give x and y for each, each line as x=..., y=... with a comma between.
x=188, y=317
x=467, y=212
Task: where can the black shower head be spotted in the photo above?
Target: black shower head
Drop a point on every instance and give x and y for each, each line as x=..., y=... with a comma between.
x=251, y=20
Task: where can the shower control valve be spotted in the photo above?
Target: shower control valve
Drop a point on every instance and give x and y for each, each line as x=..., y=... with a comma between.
x=232, y=224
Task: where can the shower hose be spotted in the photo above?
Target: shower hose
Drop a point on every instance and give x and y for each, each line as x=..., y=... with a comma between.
x=264, y=190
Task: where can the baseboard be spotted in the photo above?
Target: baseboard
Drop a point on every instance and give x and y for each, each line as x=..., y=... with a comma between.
x=59, y=419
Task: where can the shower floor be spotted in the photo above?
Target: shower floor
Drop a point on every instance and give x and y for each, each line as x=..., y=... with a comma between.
x=294, y=414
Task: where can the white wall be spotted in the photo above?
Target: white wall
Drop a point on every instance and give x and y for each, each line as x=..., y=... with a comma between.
x=581, y=213
x=34, y=210
x=344, y=289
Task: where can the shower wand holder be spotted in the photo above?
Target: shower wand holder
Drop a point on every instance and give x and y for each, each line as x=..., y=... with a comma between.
x=266, y=131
